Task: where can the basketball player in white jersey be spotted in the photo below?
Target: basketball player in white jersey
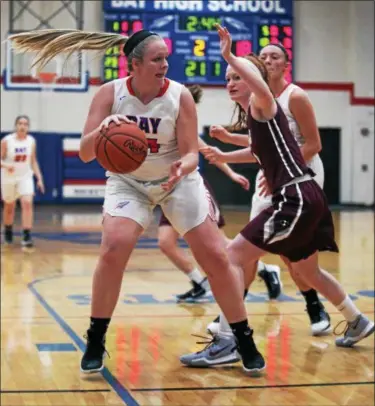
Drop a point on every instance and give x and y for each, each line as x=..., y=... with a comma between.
x=18, y=165
x=165, y=110
x=168, y=236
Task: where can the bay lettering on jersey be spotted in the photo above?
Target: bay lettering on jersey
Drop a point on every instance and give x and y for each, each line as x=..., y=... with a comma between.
x=149, y=125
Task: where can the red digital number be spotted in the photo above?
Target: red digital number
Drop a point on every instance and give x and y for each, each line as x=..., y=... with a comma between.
x=169, y=44
x=153, y=145
x=243, y=48
x=137, y=25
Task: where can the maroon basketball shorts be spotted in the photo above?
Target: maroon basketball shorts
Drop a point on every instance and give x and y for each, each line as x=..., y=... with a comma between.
x=297, y=224
x=214, y=206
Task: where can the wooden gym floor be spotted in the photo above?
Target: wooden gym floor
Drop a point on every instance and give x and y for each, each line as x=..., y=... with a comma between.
x=46, y=305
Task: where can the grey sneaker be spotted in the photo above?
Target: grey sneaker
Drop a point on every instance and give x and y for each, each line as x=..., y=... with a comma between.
x=355, y=331
x=218, y=351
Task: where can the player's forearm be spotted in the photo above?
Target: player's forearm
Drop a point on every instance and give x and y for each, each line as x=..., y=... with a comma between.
x=250, y=74
x=87, y=146
x=37, y=172
x=240, y=156
x=189, y=162
x=224, y=168
x=309, y=151
x=242, y=140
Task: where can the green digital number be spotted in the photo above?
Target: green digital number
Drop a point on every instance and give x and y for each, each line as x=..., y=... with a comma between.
x=217, y=68
x=190, y=68
x=192, y=23
x=202, y=69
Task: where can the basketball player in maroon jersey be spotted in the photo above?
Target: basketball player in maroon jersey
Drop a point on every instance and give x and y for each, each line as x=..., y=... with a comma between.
x=301, y=118
x=299, y=223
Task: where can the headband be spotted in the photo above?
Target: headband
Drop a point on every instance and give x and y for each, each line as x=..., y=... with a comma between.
x=136, y=39
x=280, y=47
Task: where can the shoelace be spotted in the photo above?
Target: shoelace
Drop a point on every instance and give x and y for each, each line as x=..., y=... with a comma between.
x=208, y=341
x=346, y=328
x=99, y=344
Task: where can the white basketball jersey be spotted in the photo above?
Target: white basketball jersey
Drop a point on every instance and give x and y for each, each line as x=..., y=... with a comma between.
x=158, y=120
x=19, y=155
x=283, y=100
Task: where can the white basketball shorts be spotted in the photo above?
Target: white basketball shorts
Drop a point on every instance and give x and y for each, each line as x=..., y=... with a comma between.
x=13, y=190
x=186, y=206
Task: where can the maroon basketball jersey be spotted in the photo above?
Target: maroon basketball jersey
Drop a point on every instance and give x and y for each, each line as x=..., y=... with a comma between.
x=276, y=150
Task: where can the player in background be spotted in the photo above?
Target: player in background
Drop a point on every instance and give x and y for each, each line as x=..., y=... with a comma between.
x=301, y=118
x=18, y=165
x=298, y=224
x=168, y=178
x=168, y=236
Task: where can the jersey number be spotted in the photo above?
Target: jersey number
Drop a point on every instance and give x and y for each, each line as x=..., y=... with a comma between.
x=20, y=158
x=153, y=145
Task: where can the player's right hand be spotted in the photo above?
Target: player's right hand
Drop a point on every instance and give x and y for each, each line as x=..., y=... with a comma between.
x=10, y=168
x=220, y=133
x=114, y=118
x=213, y=154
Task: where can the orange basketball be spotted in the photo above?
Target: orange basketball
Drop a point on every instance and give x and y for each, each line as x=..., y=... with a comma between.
x=121, y=148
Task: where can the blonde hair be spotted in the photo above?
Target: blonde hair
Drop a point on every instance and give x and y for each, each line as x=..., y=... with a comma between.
x=241, y=121
x=51, y=42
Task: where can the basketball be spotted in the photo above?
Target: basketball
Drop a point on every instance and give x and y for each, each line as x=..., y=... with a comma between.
x=121, y=148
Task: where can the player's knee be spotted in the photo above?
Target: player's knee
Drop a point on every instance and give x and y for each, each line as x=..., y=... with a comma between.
x=26, y=203
x=214, y=260
x=114, y=246
x=166, y=243
x=9, y=206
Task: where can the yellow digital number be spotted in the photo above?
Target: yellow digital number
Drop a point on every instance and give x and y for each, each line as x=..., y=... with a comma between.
x=266, y=30
x=108, y=74
x=199, y=47
x=264, y=42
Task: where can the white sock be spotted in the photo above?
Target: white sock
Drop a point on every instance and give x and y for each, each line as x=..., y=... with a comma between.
x=195, y=276
x=224, y=327
x=348, y=309
x=261, y=266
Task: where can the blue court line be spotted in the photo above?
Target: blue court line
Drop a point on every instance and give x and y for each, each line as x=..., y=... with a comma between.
x=121, y=391
x=56, y=347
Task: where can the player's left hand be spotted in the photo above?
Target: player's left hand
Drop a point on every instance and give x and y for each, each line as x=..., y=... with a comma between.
x=241, y=180
x=175, y=175
x=264, y=189
x=225, y=41
x=40, y=186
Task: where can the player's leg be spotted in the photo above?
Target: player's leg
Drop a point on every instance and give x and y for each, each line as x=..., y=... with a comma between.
x=313, y=232
x=26, y=192
x=127, y=212
x=319, y=317
x=168, y=244
x=199, y=229
x=226, y=281
x=9, y=197
x=270, y=274
x=359, y=326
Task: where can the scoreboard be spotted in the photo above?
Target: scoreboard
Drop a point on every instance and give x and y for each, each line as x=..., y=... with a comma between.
x=188, y=29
